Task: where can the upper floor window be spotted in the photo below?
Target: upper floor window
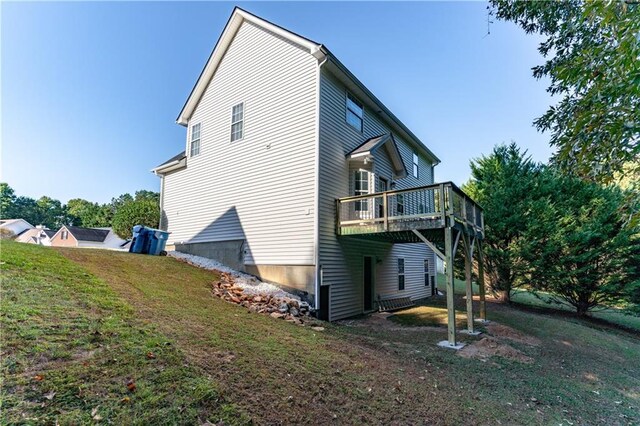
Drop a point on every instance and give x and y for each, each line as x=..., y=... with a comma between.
x=194, y=146
x=237, y=122
x=355, y=112
x=64, y=235
x=415, y=165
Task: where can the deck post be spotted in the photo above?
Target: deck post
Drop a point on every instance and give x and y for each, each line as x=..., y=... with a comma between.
x=385, y=211
x=468, y=253
x=483, y=305
x=451, y=309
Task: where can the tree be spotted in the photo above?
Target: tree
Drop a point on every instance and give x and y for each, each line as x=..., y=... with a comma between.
x=52, y=213
x=86, y=213
x=579, y=249
x=592, y=50
x=145, y=211
x=504, y=184
x=7, y=198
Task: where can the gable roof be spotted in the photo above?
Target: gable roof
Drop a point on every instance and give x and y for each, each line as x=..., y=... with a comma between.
x=319, y=51
x=87, y=234
x=371, y=145
x=177, y=161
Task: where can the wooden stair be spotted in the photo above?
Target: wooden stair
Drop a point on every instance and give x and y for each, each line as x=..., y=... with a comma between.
x=394, y=304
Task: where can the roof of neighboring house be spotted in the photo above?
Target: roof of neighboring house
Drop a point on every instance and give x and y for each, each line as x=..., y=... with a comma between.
x=7, y=222
x=49, y=232
x=369, y=147
x=88, y=234
x=34, y=233
x=318, y=50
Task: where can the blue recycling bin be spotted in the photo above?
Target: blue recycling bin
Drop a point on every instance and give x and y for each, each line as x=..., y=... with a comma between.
x=157, y=241
x=139, y=242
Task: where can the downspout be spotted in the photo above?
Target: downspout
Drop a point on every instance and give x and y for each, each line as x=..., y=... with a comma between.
x=322, y=58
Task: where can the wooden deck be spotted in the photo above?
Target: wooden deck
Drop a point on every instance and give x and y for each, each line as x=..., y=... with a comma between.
x=393, y=215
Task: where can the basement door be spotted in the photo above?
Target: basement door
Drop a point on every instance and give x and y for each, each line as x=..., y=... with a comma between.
x=367, y=286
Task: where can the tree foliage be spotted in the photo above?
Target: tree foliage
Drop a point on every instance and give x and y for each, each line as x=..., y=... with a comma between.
x=141, y=211
x=592, y=51
x=78, y=212
x=563, y=235
x=580, y=249
x=504, y=183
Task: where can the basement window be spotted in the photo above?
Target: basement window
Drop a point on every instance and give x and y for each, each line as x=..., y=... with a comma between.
x=426, y=273
x=237, y=122
x=194, y=146
x=400, y=273
x=355, y=112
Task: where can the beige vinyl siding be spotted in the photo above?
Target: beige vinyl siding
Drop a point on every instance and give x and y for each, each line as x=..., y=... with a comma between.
x=341, y=259
x=260, y=188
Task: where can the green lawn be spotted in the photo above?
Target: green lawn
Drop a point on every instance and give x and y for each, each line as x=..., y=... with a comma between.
x=74, y=352
x=78, y=324
x=524, y=297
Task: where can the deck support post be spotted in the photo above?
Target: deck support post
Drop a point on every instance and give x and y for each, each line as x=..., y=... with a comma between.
x=481, y=289
x=468, y=259
x=451, y=309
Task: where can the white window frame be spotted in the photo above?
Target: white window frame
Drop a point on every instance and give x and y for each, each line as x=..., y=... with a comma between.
x=195, y=141
x=235, y=121
x=362, y=205
x=351, y=98
x=402, y=281
x=415, y=165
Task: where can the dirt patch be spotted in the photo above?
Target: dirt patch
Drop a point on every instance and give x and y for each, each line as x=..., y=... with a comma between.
x=488, y=347
x=506, y=332
x=380, y=320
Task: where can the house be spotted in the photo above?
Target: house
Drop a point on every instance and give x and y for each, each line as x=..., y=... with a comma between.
x=39, y=235
x=15, y=226
x=75, y=236
x=295, y=172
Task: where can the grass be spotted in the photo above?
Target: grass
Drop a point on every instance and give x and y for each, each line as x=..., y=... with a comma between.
x=524, y=297
x=260, y=369
x=70, y=346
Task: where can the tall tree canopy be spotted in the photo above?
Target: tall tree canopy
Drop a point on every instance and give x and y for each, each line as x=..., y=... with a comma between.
x=504, y=184
x=592, y=51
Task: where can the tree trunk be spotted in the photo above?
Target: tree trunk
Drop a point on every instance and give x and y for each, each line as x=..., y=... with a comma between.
x=582, y=309
x=504, y=296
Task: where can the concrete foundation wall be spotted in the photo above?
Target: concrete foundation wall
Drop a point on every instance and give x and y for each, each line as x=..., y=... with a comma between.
x=299, y=278
x=228, y=253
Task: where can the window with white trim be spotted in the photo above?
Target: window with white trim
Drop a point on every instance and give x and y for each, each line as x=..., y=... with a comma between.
x=426, y=273
x=194, y=144
x=400, y=273
x=361, y=187
x=415, y=165
x=237, y=122
x=355, y=112
x=64, y=235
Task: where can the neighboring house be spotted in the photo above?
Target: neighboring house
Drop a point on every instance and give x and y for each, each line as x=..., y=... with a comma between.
x=75, y=236
x=38, y=235
x=15, y=226
x=279, y=136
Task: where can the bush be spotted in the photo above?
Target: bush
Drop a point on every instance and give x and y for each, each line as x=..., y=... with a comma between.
x=135, y=212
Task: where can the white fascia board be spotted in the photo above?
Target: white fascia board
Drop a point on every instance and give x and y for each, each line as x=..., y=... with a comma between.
x=166, y=168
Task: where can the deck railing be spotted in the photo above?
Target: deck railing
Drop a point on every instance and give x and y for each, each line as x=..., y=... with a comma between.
x=405, y=209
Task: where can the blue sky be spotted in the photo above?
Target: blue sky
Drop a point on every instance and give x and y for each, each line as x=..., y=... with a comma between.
x=90, y=91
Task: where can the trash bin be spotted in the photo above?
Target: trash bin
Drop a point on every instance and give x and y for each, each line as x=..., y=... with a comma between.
x=139, y=241
x=157, y=241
